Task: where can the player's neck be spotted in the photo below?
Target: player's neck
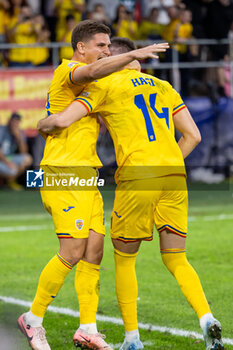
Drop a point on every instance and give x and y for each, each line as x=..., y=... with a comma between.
x=78, y=58
x=133, y=65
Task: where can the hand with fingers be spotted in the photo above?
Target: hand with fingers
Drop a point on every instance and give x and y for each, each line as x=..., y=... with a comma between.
x=150, y=51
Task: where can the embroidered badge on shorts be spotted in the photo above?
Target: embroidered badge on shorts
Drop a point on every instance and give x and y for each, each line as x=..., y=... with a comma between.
x=79, y=224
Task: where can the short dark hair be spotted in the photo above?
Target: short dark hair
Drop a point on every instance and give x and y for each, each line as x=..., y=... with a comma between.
x=15, y=116
x=85, y=30
x=69, y=17
x=123, y=44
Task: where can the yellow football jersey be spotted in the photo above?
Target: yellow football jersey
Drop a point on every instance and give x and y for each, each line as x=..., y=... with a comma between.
x=75, y=145
x=23, y=35
x=185, y=32
x=138, y=111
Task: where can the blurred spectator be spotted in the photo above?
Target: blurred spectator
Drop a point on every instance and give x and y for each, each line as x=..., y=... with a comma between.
x=128, y=4
x=110, y=8
x=162, y=5
x=48, y=11
x=168, y=33
x=217, y=24
x=4, y=16
x=14, y=158
x=224, y=78
x=99, y=14
x=35, y=6
x=124, y=24
x=21, y=30
x=183, y=32
x=230, y=33
x=14, y=10
x=4, y=8
x=41, y=54
x=150, y=28
x=67, y=52
x=64, y=8
x=198, y=9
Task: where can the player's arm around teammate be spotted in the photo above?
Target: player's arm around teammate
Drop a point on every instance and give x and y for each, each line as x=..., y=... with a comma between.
x=108, y=65
x=56, y=122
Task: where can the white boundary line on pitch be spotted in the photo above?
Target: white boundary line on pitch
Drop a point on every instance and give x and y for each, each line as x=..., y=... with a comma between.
x=17, y=217
x=220, y=217
x=114, y=320
x=25, y=228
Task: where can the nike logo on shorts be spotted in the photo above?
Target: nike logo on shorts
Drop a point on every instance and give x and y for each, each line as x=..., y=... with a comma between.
x=119, y=216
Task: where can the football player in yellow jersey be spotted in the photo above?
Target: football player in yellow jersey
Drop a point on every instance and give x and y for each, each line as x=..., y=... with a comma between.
x=141, y=113
x=77, y=215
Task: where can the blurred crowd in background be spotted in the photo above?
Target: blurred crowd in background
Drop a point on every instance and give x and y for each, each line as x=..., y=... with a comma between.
x=174, y=21
x=39, y=21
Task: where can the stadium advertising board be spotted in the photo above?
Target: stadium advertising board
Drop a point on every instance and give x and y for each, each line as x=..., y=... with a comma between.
x=24, y=92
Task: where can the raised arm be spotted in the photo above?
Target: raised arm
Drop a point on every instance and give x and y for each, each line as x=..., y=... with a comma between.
x=191, y=136
x=56, y=122
x=108, y=65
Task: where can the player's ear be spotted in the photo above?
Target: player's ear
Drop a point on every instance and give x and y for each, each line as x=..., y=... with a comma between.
x=81, y=47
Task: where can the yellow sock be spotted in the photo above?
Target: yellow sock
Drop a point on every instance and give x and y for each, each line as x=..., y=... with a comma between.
x=188, y=280
x=126, y=288
x=87, y=289
x=50, y=282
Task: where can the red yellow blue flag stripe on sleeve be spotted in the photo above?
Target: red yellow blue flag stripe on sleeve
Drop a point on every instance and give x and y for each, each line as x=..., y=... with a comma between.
x=71, y=75
x=85, y=103
x=178, y=108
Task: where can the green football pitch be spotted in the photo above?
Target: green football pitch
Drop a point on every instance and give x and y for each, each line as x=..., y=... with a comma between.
x=27, y=242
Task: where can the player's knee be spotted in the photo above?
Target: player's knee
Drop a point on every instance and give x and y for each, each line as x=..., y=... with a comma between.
x=28, y=160
x=74, y=257
x=95, y=256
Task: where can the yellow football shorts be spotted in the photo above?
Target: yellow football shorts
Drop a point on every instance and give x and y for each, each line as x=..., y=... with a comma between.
x=74, y=212
x=139, y=204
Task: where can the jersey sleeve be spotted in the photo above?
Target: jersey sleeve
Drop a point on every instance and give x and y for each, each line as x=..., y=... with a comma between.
x=178, y=103
x=93, y=97
x=73, y=67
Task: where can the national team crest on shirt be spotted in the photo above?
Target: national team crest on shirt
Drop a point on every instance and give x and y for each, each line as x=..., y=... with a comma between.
x=85, y=93
x=71, y=64
x=79, y=224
